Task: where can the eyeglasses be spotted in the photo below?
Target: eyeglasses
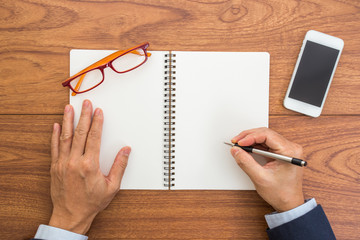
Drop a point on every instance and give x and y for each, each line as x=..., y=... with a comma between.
x=121, y=62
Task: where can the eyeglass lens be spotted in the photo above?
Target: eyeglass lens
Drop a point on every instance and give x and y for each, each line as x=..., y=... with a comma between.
x=130, y=60
x=87, y=81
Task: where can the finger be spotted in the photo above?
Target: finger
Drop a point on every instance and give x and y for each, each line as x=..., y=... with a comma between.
x=67, y=131
x=55, y=138
x=118, y=168
x=82, y=129
x=93, y=141
x=243, y=134
x=248, y=164
x=251, y=139
x=265, y=137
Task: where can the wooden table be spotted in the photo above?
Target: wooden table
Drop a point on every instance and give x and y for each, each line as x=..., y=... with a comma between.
x=35, y=39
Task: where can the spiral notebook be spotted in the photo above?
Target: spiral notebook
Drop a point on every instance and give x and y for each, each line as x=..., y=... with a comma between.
x=175, y=111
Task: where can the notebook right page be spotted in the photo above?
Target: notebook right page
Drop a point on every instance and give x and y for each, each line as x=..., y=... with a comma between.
x=218, y=95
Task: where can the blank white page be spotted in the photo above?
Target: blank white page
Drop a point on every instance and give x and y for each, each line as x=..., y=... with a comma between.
x=133, y=115
x=218, y=95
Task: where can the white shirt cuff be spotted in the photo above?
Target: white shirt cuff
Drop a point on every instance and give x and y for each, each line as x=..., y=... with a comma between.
x=53, y=233
x=276, y=219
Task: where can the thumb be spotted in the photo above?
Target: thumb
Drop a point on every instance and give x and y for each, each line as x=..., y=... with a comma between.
x=118, y=168
x=247, y=163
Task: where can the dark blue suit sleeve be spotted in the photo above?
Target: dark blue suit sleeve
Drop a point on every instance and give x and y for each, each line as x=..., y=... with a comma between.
x=314, y=225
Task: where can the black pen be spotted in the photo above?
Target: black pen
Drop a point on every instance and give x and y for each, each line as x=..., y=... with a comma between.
x=294, y=161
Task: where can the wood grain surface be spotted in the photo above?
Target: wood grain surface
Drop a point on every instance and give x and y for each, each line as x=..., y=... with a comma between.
x=35, y=39
x=332, y=177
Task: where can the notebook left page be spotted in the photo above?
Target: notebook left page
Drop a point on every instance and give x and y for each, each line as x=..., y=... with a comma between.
x=132, y=104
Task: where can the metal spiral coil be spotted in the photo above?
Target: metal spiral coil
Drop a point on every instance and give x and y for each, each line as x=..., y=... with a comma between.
x=169, y=119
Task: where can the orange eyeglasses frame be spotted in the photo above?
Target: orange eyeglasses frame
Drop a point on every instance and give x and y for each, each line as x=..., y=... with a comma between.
x=104, y=63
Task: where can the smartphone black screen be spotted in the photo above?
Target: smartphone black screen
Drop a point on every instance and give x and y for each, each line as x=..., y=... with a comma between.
x=313, y=74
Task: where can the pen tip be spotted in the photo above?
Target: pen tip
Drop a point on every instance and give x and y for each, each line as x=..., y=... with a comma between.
x=228, y=144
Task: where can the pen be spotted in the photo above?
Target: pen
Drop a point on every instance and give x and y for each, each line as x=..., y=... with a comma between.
x=294, y=161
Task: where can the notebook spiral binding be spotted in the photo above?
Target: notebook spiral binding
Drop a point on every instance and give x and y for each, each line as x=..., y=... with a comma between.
x=169, y=119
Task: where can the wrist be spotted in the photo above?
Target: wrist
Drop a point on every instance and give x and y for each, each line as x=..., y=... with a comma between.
x=288, y=205
x=71, y=223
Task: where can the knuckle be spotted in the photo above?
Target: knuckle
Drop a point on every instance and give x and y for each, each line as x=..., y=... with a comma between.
x=81, y=132
x=71, y=165
x=93, y=134
x=271, y=133
x=87, y=166
x=262, y=130
x=66, y=136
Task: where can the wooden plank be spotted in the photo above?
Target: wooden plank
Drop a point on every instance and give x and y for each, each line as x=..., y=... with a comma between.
x=36, y=37
x=331, y=147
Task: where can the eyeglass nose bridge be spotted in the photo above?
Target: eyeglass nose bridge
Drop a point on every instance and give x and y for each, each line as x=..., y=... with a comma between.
x=102, y=68
x=109, y=64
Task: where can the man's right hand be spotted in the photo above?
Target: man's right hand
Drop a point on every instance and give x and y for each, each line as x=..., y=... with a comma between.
x=278, y=183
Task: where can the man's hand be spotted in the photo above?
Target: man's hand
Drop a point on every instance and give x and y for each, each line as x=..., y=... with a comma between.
x=278, y=183
x=79, y=190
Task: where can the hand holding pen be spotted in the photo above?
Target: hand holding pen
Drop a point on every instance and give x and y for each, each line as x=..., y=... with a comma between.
x=277, y=182
x=251, y=149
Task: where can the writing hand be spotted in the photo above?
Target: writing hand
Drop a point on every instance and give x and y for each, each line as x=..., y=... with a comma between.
x=277, y=182
x=79, y=190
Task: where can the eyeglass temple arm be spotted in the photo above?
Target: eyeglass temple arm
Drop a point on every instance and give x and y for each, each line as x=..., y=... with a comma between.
x=101, y=62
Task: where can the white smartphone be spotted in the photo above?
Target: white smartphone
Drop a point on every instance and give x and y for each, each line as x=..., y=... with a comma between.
x=314, y=70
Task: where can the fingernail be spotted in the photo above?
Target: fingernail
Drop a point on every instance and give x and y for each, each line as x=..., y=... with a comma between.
x=67, y=108
x=55, y=127
x=234, y=150
x=85, y=103
x=233, y=140
x=98, y=112
x=126, y=151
